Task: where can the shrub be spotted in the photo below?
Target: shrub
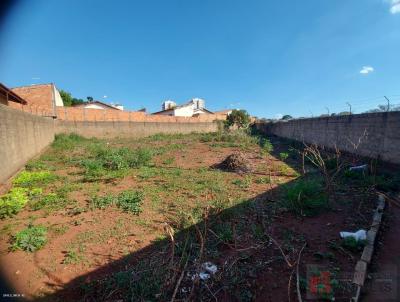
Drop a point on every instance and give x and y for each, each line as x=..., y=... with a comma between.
x=30, y=239
x=353, y=245
x=67, y=141
x=305, y=197
x=33, y=178
x=266, y=145
x=12, y=202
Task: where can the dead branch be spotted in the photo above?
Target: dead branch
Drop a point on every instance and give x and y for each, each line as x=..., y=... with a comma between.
x=298, y=275
x=279, y=247
x=179, y=280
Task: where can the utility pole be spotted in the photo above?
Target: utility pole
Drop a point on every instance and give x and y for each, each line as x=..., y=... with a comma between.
x=349, y=106
x=388, y=104
x=327, y=109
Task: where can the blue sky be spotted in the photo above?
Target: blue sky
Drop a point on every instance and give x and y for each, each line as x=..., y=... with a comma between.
x=269, y=57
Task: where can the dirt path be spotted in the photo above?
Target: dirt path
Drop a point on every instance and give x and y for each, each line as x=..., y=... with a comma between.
x=385, y=269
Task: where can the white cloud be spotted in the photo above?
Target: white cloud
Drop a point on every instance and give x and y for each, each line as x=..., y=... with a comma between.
x=395, y=6
x=367, y=69
x=104, y=96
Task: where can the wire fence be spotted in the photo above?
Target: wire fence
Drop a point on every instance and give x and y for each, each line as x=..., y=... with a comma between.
x=369, y=105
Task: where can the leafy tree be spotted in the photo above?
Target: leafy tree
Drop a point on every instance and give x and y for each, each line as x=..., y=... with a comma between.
x=66, y=97
x=240, y=118
x=286, y=117
x=89, y=99
x=68, y=100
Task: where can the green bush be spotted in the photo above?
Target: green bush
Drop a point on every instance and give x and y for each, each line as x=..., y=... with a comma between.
x=12, y=202
x=33, y=178
x=305, y=197
x=67, y=141
x=130, y=201
x=30, y=239
x=353, y=245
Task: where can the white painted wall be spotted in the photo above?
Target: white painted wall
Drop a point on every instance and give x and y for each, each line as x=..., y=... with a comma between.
x=95, y=106
x=57, y=97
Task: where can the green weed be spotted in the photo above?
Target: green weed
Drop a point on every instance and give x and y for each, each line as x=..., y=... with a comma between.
x=305, y=197
x=30, y=239
x=33, y=178
x=353, y=245
x=130, y=201
x=283, y=155
x=67, y=141
x=12, y=202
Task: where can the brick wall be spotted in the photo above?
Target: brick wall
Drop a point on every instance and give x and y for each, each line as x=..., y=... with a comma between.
x=375, y=135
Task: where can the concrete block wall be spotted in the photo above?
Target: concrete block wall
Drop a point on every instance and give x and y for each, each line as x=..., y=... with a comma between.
x=22, y=136
x=131, y=129
x=374, y=135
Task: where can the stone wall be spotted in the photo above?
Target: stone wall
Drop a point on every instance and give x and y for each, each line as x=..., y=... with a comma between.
x=375, y=135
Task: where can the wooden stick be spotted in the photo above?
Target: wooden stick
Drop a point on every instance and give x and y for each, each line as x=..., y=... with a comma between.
x=298, y=275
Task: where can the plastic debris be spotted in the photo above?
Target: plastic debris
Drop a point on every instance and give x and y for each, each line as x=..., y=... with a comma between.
x=359, y=235
x=207, y=269
x=361, y=168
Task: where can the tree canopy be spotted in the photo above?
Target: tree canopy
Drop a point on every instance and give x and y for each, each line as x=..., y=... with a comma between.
x=68, y=100
x=240, y=118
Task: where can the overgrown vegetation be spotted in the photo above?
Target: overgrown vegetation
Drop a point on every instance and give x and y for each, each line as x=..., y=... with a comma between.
x=129, y=201
x=305, y=197
x=12, y=202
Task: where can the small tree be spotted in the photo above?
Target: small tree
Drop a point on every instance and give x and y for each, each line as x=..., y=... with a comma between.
x=66, y=97
x=240, y=118
x=286, y=117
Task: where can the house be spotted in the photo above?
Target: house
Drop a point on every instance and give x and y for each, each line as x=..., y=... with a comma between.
x=43, y=96
x=99, y=105
x=7, y=96
x=194, y=107
x=224, y=112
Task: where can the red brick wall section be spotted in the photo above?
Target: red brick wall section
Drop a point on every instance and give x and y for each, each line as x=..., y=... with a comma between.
x=82, y=114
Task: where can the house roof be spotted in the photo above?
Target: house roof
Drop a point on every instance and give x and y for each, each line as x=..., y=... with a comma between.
x=41, y=95
x=181, y=106
x=10, y=95
x=96, y=102
x=223, y=111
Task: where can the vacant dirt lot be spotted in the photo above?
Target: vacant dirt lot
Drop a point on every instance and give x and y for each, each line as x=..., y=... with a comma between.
x=137, y=219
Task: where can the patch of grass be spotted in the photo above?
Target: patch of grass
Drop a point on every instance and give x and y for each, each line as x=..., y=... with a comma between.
x=130, y=201
x=36, y=165
x=224, y=232
x=113, y=162
x=30, y=239
x=305, y=197
x=102, y=202
x=283, y=155
x=50, y=202
x=33, y=178
x=243, y=183
x=12, y=202
x=263, y=180
x=169, y=161
x=73, y=257
x=59, y=229
x=67, y=141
